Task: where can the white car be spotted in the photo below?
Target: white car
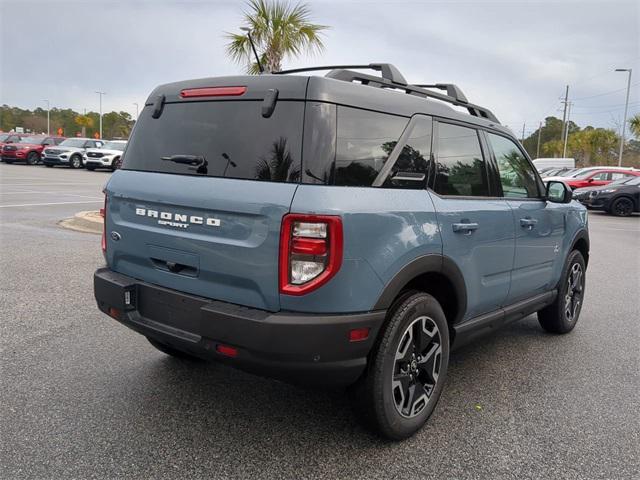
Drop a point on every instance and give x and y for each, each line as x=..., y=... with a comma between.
x=108, y=156
x=70, y=152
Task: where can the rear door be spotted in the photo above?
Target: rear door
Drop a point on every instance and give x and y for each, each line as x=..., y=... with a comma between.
x=476, y=226
x=539, y=225
x=209, y=226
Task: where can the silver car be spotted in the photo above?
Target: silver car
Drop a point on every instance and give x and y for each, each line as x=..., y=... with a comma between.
x=70, y=152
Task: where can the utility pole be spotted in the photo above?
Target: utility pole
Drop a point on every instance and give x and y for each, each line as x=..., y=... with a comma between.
x=100, y=94
x=539, y=134
x=136, y=111
x=564, y=114
x=626, y=108
x=523, y=125
x=566, y=135
x=48, y=123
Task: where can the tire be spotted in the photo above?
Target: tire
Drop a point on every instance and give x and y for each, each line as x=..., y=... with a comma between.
x=91, y=168
x=75, y=161
x=33, y=158
x=562, y=315
x=622, y=207
x=398, y=372
x=115, y=164
x=8, y=161
x=173, y=352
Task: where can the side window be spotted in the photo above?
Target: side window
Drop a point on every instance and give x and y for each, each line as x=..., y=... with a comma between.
x=517, y=176
x=413, y=160
x=601, y=176
x=618, y=175
x=460, y=166
x=364, y=141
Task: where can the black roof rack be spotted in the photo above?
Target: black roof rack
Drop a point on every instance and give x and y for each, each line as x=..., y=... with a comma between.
x=393, y=79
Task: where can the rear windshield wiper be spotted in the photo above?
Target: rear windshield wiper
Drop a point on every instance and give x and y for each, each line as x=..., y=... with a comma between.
x=196, y=162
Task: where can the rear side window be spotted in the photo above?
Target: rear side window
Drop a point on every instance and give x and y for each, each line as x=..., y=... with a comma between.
x=460, y=167
x=232, y=137
x=364, y=142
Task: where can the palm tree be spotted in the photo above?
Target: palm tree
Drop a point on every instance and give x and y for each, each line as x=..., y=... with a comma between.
x=634, y=125
x=279, y=30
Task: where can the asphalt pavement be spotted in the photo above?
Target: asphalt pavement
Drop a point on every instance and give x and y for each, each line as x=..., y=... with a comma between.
x=81, y=396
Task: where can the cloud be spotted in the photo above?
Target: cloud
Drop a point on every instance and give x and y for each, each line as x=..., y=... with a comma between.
x=513, y=57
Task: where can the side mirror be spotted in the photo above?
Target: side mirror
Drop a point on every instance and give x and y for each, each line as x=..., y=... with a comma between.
x=590, y=180
x=558, y=192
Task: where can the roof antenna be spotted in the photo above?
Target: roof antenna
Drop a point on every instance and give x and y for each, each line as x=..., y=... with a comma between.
x=253, y=47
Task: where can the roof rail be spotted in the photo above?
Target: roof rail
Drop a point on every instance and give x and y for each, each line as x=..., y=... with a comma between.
x=387, y=70
x=391, y=78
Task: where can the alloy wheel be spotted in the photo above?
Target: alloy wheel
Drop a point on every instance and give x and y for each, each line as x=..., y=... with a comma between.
x=623, y=207
x=573, y=297
x=416, y=366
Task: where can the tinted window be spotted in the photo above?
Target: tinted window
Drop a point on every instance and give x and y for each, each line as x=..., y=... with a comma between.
x=618, y=175
x=601, y=176
x=364, y=141
x=414, y=157
x=517, y=175
x=233, y=138
x=460, y=167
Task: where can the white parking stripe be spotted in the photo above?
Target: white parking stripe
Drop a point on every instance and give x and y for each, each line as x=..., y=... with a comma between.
x=32, y=192
x=43, y=184
x=53, y=203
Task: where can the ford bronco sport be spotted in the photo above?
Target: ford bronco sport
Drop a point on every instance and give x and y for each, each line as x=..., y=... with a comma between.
x=350, y=229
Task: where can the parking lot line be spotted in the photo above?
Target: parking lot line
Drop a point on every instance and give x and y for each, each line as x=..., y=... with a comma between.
x=41, y=184
x=51, y=203
x=31, y=192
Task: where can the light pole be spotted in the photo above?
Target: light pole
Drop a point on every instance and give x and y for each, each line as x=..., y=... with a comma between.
x=100, y=94
x=566, y=131
x=48, y=124
x=626, y=108
x=136, y=111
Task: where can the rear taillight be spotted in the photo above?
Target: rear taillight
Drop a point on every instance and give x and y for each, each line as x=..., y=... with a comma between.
x=310, y=252
x=103, y=214
x=213, y=92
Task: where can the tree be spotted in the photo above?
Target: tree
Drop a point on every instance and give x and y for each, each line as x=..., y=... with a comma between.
x=84, y=121
x=279, y=30
x=634, y=125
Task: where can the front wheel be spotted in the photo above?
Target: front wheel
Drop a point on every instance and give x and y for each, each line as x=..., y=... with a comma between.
x=75, y=161
x=407, y=369
x=622, y=207
x=33, y=158
x=562, y=315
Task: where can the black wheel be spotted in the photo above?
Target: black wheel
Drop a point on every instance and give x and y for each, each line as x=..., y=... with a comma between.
x=116, y=164
x=622, y=207
x=33, y=158
x=75, y=161
x=8, y=161
x=407, y=368
x=173, y=352
x=562, y=315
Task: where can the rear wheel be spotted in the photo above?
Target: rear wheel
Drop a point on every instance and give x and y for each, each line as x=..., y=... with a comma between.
x=75, y=161
x=562, y=315
x=173, y=352
x=408, y=368
x=622, y=207
x=33, y=158
x=115, y=165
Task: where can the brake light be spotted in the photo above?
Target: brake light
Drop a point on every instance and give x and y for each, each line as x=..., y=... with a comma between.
x=213, y=92
x=103, y=214
x=310, y=252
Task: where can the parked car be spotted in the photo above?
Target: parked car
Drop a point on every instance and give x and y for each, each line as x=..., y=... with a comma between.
x=555, y=172
x=28, y=149
x=541, y=163
x=70, y=152
x=571, y=174
x=11, y=137
x=107, y=156
x=599, y=176
x=620, y=198
x=304, y=228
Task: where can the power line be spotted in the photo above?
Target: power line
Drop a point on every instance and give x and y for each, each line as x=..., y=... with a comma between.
x=607, y=93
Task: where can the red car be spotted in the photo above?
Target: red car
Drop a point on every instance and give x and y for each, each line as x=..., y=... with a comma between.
x=9, y=138
x=28, y=149
x=599, y=176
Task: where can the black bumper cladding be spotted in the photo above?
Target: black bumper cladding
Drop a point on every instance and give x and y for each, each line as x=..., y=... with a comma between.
x=302, y=348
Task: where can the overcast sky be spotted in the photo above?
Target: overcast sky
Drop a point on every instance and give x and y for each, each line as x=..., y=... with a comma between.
x=515, y=57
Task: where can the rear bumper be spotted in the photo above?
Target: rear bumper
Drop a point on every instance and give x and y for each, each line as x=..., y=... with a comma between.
x=301, y=348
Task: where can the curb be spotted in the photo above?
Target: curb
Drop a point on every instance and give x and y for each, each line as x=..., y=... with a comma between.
x=87, y=222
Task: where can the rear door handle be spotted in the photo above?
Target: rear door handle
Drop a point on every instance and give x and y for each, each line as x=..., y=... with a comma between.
x=466, y=228
x=528, y=223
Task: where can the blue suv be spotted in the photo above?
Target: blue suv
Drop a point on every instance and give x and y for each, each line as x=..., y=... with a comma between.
x=345, y=230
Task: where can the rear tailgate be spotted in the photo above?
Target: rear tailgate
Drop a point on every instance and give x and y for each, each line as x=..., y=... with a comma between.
x=210, y=228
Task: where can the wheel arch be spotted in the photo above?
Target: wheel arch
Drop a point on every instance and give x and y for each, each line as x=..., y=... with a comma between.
x=436, y=275
x=581, y=243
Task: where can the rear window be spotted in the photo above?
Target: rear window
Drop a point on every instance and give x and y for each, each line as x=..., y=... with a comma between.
x=232, y=137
